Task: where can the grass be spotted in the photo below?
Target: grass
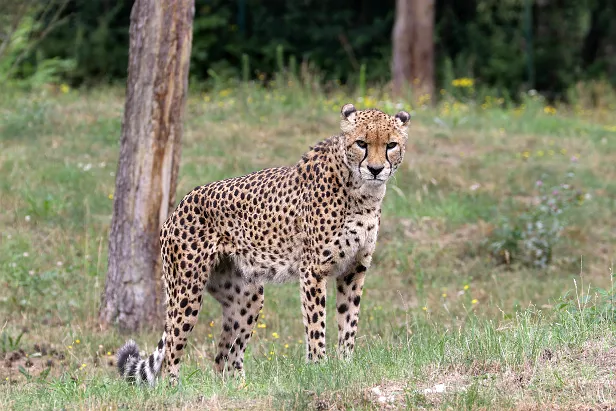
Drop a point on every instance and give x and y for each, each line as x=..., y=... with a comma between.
x=438, y=310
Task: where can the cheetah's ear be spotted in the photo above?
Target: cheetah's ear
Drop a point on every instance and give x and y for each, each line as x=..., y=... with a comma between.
x=347, y=117
x=403, y=117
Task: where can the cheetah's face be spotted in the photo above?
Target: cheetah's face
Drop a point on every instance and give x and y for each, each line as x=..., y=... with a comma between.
x=375, y=142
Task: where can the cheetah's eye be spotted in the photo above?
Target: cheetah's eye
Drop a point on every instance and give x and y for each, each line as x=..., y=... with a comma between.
x=391, y=145
x=362, y=144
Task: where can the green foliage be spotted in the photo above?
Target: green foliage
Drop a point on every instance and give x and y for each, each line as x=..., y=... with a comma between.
x=532, y=235
x=362, y=81
x=498, y=43
x=595, y=305
x=245, y=68
x=8, y=343
x=21, y=62
x=293, y=66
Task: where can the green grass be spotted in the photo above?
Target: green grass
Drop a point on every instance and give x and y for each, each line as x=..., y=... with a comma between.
x=437, y=308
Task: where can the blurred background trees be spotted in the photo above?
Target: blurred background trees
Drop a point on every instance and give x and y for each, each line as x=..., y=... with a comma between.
x=506, y=45
x=413, y=47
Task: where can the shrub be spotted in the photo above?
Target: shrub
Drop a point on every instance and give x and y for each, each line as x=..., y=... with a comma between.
x=531, y=235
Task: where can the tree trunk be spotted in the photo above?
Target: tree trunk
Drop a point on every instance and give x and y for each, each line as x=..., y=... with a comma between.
x=159, y=57
x=413, y=48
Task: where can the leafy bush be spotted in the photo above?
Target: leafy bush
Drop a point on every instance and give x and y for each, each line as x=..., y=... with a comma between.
x=595, y=305
x=531, y=235
x=23, y=27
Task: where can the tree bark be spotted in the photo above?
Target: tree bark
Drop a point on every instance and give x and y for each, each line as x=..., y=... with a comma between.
x=159, y=57
x=413, y=47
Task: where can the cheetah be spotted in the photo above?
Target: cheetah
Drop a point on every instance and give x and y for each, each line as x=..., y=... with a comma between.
x=313, y=221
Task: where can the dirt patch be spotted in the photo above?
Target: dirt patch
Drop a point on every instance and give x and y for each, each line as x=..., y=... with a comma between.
x=599, y=353
x=42, y=360
x=429, y=231
x=558, y=379
x=387, y=396
x=215, y=404
x=547, y=406
x=19, y=365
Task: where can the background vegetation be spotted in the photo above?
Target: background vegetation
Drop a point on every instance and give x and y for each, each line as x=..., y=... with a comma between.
x=506, y=45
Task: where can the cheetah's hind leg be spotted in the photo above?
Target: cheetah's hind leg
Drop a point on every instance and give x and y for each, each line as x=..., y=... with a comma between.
x=241, y=304
x=185, y=281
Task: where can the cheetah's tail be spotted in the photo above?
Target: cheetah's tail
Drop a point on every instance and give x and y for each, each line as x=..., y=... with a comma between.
x=137, y=370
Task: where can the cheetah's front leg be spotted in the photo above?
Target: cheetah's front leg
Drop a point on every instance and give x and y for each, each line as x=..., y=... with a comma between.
x=348, y=297
x=313, y=309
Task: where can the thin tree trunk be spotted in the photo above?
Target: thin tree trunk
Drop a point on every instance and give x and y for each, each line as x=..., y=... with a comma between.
x=159, y=56
x=423, y=46
x=413, y=47
x=402, y=50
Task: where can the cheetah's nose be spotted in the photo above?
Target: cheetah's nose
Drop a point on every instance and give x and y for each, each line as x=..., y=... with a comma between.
x=375, y=170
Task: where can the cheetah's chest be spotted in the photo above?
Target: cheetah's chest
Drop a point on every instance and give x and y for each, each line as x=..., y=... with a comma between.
x=354, y=244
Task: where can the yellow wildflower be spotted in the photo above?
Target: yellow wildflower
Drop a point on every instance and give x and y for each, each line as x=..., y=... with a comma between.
x=549, y=110
x=423, y=99
x=275, y=335
x=64, y=88
x=463, y=82
x=475, y=301
x=466, y=286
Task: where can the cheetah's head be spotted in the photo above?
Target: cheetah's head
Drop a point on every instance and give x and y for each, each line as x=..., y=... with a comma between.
x=375, y=142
